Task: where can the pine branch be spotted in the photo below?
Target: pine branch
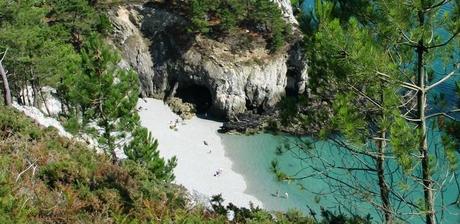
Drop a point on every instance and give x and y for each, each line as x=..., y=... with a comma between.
x=443, y=79
x=446, y=114
x=441, y=3
x=446, y=42
x=4, y=55
x=403, y=84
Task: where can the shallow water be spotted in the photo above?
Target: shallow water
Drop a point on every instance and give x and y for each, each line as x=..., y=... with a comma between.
x=252, y=155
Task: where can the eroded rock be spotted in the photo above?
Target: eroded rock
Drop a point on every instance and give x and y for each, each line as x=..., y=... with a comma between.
x=238, y=77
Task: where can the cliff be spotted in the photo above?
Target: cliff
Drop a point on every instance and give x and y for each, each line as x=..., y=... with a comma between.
x=225, y=76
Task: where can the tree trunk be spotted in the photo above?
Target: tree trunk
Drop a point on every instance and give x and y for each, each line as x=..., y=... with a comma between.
x=40, y=91
x=35, y=90
x=381, y=146
x=6, y=87
x=421, y=104
x=110, y=142
x=29, y=103
x=384, y=191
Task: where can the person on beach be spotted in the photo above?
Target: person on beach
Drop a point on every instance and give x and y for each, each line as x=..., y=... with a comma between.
x=218, y=172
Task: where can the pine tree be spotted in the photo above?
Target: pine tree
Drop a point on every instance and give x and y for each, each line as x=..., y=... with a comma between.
x=104, y=94
x=430, y=30
x=143, y=150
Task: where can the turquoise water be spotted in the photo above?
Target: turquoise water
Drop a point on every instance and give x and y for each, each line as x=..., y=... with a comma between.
x=252, y=156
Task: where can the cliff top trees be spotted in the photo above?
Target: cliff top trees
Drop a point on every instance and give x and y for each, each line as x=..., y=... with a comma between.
x=218, y=17
x=38, y=52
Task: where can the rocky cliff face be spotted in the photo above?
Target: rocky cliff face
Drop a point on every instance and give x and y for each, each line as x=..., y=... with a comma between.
x=224, y=77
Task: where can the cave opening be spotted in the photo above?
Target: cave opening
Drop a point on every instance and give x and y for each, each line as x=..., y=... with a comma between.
x=291, y=85
x=198, y=95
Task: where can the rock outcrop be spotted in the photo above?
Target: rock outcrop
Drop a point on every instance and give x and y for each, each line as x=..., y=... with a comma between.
x=134, y=47
x=286, y=8
x=225, y=77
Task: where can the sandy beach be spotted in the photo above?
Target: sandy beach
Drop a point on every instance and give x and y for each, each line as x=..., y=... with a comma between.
x=199, y=150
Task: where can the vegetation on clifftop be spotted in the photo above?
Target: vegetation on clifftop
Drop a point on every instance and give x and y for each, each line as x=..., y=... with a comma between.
x=220, y=17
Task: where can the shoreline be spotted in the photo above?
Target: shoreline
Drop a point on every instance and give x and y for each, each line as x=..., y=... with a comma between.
x=200, y=152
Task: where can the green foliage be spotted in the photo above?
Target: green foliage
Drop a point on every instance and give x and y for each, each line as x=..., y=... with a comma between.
x=143, y=150
x=75, y=19
x=10, y=206
x=103, y=93
x=218, y=17
x=349, y=120
x=41, y=39
x=254, y=215
x=330, y=217
x=451, y=141
x=404, y=143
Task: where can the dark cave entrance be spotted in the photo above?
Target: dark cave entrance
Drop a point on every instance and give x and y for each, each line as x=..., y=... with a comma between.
x=291, y=88
x=198, y=95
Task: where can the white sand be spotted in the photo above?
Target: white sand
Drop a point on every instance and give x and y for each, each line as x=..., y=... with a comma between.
x=196, y=166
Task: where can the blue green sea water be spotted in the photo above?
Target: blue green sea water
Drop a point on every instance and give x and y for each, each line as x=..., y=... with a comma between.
x=252, y=156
